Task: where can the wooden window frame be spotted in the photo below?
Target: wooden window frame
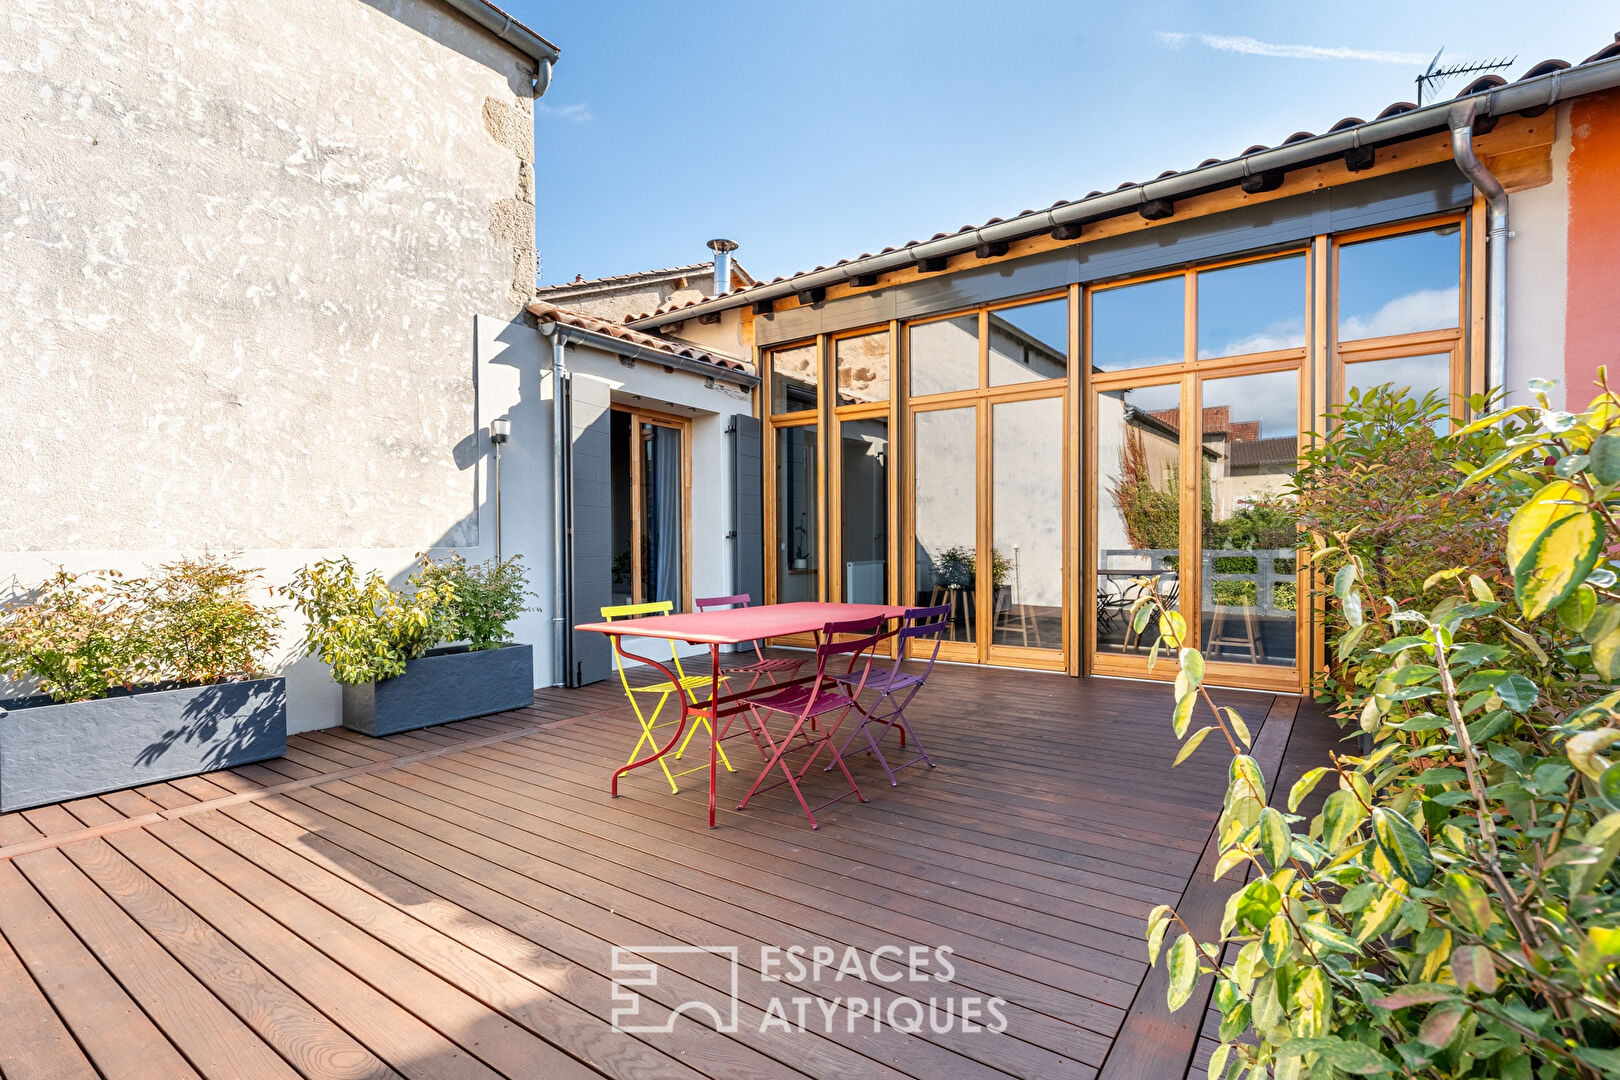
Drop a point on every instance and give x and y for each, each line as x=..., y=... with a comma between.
x=639, y=416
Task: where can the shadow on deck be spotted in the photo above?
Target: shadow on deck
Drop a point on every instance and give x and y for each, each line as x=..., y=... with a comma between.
x=448, y=902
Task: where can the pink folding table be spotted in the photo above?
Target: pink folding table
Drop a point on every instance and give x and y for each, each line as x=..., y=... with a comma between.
x=732, y=626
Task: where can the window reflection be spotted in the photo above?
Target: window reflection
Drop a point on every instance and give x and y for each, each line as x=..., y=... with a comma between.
x=944, y=355
x=1139, y=325
x=1399, y=284
x=864, y=528
x=945, y=509
x=1419, y=374
x=1138, y=509
x=795, y=373
x=1250, y=440
x=798, y=528
x=1029, y=342
x=863, y=368
x=1252, y=308
x=1027, y=511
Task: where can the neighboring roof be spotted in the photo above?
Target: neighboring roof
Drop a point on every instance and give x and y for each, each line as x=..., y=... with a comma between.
x=677, y=350
x=508, y=29
x=701, y=269
x=1540, y=87
x=1262, y=453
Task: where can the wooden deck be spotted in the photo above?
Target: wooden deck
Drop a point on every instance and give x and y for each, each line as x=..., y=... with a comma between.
x=447, y=903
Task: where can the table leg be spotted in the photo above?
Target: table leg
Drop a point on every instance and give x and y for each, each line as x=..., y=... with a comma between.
x=714, y=724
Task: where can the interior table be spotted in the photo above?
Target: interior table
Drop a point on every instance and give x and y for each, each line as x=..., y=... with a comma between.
x=731, y=626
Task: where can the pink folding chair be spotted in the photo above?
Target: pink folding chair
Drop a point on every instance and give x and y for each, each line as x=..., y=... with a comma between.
x=822, y=698
x=895, y=689
x=763, y=666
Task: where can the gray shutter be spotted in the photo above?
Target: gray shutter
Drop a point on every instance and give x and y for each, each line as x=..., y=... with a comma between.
x=747, y=508
x=590, y=526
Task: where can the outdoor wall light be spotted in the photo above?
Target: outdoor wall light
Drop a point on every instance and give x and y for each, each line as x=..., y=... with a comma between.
x=500, y=431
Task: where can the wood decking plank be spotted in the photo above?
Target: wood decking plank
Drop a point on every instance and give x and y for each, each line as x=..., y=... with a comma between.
x=35, y=1044
x=214, y=1041
x=113, y=1032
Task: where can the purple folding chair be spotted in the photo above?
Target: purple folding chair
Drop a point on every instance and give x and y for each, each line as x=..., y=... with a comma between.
x=767, y=666
x=895, y=689
x=825, y=698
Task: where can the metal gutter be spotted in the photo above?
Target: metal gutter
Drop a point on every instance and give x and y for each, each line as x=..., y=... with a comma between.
x=631, y=351
x=1496, y=262
x=1539, y=92
x=512, y=32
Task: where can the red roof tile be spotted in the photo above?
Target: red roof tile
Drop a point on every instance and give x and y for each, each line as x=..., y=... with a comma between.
x=548, y=312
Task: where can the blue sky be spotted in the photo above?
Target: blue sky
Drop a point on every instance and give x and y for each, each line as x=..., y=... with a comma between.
x=814, y=132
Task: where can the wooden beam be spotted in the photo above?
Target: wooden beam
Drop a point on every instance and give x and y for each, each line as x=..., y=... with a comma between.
x=866, y=280
x=764, y=307
x=931, y=266
x=709, y=318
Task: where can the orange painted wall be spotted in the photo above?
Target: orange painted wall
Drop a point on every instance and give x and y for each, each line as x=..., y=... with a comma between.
x=1592, y=314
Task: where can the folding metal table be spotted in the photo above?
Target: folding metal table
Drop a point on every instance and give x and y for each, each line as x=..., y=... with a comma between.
x=732, y=626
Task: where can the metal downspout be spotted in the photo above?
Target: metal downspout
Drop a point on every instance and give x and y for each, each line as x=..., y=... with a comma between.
x=559, y=502
x=1461, y=121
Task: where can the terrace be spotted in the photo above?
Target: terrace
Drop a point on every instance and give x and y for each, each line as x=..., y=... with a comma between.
x=447, y=902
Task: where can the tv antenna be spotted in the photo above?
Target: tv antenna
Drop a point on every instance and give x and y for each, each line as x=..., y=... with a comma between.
x=1434, y=75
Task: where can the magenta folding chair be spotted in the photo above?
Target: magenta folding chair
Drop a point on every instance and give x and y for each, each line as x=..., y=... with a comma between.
x=763, y=666
x=895, y=689
x=822, y=698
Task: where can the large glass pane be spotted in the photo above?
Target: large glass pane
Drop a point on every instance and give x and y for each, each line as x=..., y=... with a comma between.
x=1027, y=515
x=798, y=529
x=623, y=519
x=944, y=355
x=864, y=528
x=1419, y=374
x=1138, y=509
x=863, y=368
x=1251, y=448
x=1399, y=284
x=945, y=510
x=661, y=515
x=1139, y=325
x=795, y=374
x=1029, y=342
x=1252, y=308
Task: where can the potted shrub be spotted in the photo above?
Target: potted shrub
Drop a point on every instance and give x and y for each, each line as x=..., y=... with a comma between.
x=388, y=648
x=138, y=680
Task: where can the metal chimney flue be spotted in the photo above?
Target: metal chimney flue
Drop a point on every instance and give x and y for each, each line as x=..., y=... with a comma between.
x=722, y=264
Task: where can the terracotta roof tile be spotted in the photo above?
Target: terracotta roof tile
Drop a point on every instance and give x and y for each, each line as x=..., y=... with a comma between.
x=1480, y=85
x=548, y=312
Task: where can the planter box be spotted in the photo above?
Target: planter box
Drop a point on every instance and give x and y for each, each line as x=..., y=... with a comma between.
x=444, y=685
x=51, y=752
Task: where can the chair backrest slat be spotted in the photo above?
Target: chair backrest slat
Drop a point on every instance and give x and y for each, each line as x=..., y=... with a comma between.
x=704, y=603
x=626, y=611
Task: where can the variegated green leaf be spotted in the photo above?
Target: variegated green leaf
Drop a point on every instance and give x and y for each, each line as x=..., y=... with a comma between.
x=1402, y=845
x=1191, y=744
x=1182, y=966
x=1304, y=786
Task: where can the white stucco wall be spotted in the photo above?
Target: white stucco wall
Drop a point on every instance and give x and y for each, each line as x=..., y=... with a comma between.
x=1538, y=275
x=241, y=249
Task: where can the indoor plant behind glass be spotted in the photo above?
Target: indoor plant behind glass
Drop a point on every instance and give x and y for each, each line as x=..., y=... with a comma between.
x=388, y=648
x=137, y=680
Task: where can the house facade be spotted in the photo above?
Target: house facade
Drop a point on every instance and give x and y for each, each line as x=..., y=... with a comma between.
x=1020, y=419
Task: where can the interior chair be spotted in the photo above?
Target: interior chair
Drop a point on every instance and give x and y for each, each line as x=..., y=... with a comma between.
x=695, y=687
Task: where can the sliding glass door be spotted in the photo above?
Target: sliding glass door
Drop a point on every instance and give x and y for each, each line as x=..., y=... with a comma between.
x=649, y=513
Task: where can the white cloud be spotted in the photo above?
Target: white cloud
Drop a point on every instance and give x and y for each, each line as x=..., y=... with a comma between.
x=1424, y=309
x=573, y=114
x=1249, y=46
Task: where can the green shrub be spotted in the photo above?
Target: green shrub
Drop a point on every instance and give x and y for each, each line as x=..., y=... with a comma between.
x=486, y=597
x=1454, y=910
x=360, y=626
x=203, y=623
x=77, y=637
x=82, y=635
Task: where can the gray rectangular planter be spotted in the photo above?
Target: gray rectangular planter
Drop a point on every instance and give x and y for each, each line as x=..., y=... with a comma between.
x=51, y=752
x=444, y=685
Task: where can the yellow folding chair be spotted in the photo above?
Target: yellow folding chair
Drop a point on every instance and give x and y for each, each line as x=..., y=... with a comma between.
x=694, y=686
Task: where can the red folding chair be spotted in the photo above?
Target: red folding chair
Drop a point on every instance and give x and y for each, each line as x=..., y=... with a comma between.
x=763, y=666
x=895, y=689
x=823, y=697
